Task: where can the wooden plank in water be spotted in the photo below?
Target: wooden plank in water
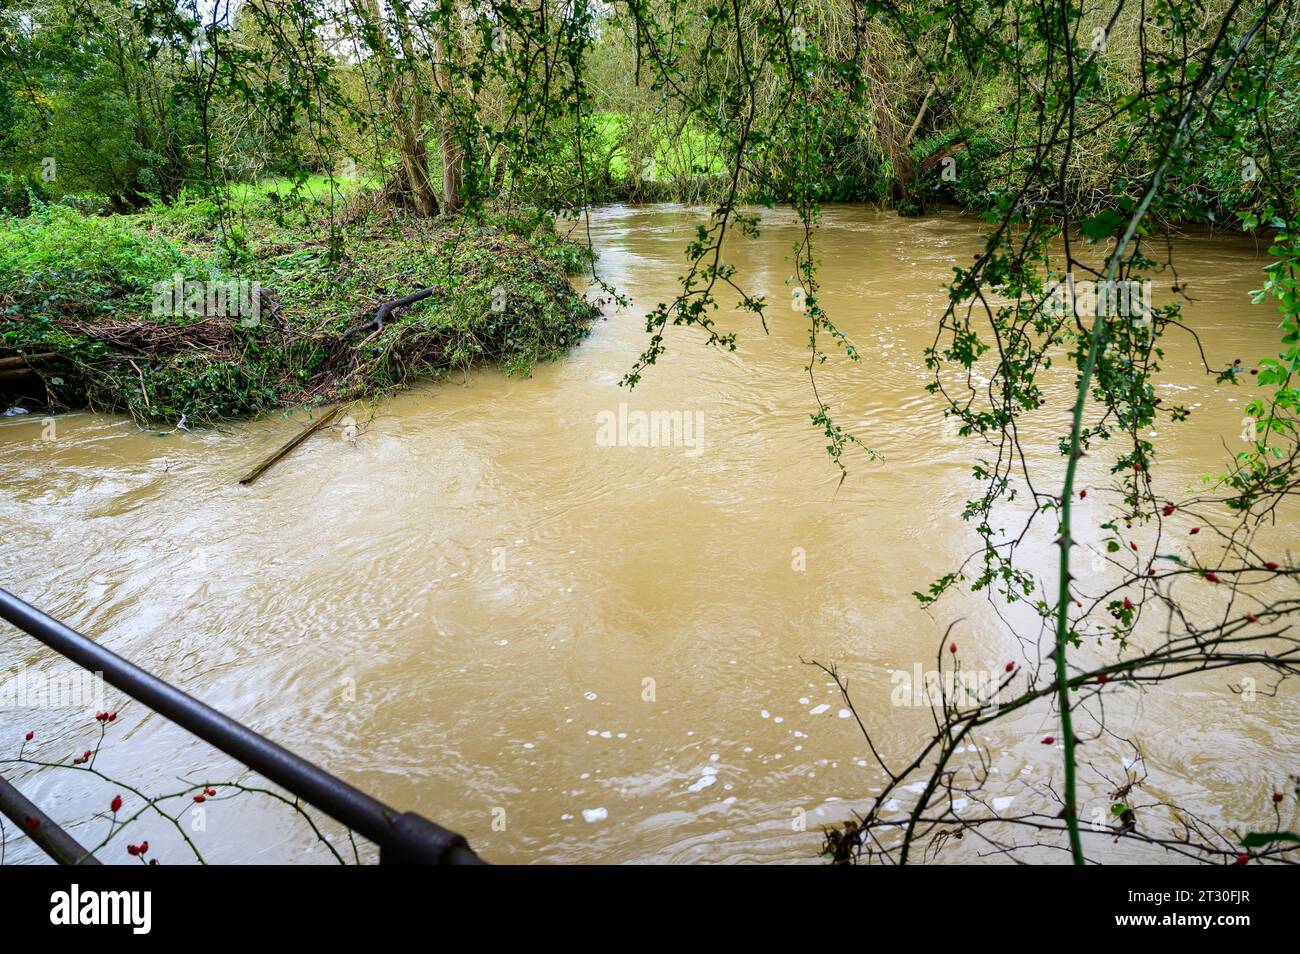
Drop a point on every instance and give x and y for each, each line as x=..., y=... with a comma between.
x=289, y=445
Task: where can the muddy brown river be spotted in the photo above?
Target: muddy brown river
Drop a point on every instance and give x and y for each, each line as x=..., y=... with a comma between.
x=488, y=606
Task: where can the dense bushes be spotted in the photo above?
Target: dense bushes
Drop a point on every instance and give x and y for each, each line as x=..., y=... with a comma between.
x=18, y=194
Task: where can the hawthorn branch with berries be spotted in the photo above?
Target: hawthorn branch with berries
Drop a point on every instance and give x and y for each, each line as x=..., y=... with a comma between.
x=160, y=805
x=996, y=342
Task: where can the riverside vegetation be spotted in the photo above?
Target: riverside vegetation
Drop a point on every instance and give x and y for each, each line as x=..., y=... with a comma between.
x=105, y=308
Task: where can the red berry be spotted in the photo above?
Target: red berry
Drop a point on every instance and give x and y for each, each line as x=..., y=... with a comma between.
x=1048, y=739
x=952, y=647
x=85, y=756
x=1083, y=494
x=1168, y=509
x=1151, y=572
x=30, y=736
x=1212, y=576
x=1011, y=667
x=1242, y=859
x=1102, y=677
x=1270, y=565
x=132, y=850
x=33, y=823
x=1133, y=545
x=101, y=716
x=144, y=846
x=116, y=804
x=1277, y=797
x=1128, y=603
x=199, y=798
x=1194, y=530
x=1137, y=465
x=212, y=791
x=1252, y=618
x=112, y=716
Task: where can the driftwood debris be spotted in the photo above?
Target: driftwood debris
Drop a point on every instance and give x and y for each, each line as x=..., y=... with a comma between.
x=388, y=307
x=290, y=444
x=21, y=361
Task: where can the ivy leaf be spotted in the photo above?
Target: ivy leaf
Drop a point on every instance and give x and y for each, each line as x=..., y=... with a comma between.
x=1100, y=226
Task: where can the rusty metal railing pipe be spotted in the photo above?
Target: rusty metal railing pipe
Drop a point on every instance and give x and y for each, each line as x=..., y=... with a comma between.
x=403, y=837
x=42, y=829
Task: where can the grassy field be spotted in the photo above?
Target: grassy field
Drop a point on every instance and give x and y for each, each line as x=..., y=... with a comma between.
x=313, y=187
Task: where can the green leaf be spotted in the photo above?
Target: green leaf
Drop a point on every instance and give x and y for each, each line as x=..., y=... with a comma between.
x=1100, y=226
x=1258, y=839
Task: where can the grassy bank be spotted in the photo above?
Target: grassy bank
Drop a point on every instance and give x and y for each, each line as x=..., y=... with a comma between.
x=188, y=310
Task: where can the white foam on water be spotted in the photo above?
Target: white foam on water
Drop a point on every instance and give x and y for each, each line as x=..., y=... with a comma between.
x=704, y=782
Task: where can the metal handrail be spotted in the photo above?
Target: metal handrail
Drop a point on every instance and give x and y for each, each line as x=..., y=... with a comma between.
x=403, y=837
x=42, y=829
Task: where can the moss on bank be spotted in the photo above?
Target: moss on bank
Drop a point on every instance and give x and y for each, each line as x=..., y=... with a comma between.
x=273, y=309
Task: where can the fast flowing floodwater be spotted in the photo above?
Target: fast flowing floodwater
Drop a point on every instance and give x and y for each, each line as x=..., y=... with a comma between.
x=577, y=652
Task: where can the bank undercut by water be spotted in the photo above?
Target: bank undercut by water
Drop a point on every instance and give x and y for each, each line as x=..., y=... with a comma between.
x=182, y=311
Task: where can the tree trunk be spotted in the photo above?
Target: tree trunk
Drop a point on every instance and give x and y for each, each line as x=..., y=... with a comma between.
x=415, y=165
x=499, y=172
x=453, y=157
x=893, y=137
x=407, y=106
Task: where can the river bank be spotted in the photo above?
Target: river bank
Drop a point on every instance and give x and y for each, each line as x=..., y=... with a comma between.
x=184, y=313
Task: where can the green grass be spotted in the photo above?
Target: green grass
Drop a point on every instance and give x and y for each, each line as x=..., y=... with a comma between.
x=313, y=187
x=693, y=153
x=84, y=288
